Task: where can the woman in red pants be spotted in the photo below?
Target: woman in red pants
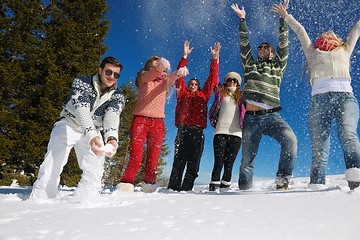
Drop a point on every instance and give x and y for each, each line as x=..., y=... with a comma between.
x=147, y=126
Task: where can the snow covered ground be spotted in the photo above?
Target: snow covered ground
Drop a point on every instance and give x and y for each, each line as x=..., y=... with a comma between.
x=257, y=214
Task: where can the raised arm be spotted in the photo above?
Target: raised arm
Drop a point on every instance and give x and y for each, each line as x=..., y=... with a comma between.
x=180, y=83
x=353, y=36
x=160, y=68
x=245, y=48
x=213, y=76
x=282, y=50
x=281, y=9
x=240, y=12
x=215, y=52
x=187, y=49
x=295, y=26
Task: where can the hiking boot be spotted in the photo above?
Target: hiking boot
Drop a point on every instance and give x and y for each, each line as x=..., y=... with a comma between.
x=282, y=183
x=125, y=187
x=225, y=184
x=148, y=187
x=285, y=186
x=213, y=186
x=353, y=185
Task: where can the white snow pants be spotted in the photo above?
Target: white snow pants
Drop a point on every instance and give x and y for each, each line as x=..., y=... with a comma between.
x=63, y=138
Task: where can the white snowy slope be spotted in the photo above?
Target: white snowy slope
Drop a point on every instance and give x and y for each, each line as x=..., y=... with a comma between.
x=257, y=214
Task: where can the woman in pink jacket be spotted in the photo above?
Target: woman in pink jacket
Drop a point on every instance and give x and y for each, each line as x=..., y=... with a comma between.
x=147, y=126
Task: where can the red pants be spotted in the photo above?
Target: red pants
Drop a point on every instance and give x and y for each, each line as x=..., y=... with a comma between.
x=151, y=130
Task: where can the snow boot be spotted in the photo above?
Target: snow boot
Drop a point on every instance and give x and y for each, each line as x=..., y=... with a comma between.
x=225, y=184
x=125, y=187
x=282, y=183
x=285, y=186
x=148, y=187
x=353, y=185
x=214, y=185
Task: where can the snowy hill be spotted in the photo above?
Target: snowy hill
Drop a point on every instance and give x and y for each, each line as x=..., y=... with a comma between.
x=257, y=214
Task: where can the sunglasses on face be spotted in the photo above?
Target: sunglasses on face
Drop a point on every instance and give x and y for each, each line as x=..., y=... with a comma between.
x=231, y=80
x=109, y=72
x=266, y=47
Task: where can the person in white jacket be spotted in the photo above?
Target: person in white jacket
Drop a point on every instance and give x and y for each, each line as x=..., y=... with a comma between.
x=328, y=64
x=91, y=113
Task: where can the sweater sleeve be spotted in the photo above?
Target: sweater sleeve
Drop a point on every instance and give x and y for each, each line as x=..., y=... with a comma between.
x=301, y=34
x=353, y=37
x=80, y=101
x=282, y=51
x=212, y=79
x=245, y=48
x=112, y=115
x=180, y=83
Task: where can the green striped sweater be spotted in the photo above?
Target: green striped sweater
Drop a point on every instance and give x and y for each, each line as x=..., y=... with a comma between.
x=263, y=79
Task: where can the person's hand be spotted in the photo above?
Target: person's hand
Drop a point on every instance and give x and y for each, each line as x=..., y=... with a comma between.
x=96, y=144
x=215, y=52
x=281, y=9
x=182, y=72
x=240, y=12
x=162, y=65
x=187, y=49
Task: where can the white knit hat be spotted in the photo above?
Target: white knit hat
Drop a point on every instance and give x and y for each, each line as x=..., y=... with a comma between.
x=233, y=75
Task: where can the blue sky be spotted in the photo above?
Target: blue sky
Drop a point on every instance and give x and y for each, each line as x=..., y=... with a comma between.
x=142, y=28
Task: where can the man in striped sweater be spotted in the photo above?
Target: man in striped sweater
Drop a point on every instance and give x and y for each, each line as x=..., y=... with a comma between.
x=261, y=94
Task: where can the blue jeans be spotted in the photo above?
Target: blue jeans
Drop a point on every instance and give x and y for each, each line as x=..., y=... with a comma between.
x=255, y=127
x=324, y=108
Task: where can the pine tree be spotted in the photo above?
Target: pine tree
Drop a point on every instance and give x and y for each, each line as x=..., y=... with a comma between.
x=76, y=35
x=42, y=50
x=22, y=73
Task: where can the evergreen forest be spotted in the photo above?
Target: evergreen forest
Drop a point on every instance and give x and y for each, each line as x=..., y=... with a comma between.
x=43, y=48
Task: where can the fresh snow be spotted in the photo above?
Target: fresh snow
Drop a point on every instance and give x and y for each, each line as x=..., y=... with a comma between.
x=260, y=213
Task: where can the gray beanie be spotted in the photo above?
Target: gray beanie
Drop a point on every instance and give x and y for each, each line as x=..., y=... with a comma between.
x=233, y=75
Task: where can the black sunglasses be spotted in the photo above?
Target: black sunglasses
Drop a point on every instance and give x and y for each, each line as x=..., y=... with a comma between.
x=109, y=72
x=264, y=46
x=231, y=80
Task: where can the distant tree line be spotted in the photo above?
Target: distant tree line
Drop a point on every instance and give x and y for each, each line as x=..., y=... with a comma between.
x=43, y=48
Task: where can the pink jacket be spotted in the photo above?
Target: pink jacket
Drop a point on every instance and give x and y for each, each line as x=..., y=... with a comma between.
x=152, y=90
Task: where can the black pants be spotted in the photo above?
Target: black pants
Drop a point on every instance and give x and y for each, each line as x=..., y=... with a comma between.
x=226, y=148
x=189, y=145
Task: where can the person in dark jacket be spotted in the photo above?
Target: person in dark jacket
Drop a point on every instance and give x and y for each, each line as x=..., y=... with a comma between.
x=191, y=119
